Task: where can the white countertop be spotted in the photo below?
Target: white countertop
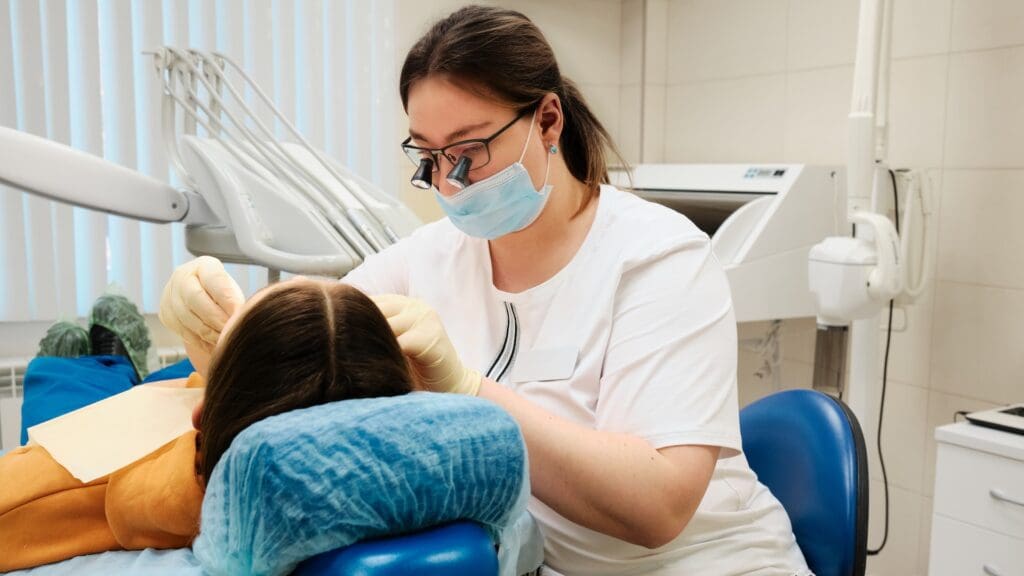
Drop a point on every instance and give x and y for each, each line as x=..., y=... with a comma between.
x=969, y=435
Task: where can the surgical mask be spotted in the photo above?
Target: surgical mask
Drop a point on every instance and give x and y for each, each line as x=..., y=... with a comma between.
x=500, y=204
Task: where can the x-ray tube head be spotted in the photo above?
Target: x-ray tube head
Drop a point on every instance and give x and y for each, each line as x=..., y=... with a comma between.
x=422, y=178
x=460, y=172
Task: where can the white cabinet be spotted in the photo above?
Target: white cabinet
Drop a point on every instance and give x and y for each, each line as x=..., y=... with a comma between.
x=978, y=522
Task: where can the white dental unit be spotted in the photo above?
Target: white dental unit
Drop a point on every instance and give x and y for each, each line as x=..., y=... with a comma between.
x=763, y=220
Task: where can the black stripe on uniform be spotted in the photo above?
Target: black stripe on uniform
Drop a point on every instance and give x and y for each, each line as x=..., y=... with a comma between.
x=515, y=343
x=501, y=351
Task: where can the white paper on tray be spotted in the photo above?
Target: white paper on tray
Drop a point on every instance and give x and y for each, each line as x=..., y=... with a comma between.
x=101, y=438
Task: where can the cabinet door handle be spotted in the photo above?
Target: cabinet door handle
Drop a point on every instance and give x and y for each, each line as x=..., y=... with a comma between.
x=990, y=571
x=998, y=494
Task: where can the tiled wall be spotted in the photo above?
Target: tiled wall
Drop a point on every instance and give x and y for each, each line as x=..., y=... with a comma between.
x=770, y=81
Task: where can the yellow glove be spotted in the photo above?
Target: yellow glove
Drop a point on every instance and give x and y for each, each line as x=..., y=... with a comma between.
x=197, y=301
x=424, y=340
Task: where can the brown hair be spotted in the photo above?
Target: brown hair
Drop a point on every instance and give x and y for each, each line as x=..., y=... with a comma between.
x=501, y=54
x=306, y=344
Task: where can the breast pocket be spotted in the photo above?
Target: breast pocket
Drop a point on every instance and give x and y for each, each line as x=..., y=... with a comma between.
x=545, y=365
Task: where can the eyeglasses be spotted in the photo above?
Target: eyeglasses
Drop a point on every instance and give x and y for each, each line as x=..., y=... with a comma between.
x=476, y=150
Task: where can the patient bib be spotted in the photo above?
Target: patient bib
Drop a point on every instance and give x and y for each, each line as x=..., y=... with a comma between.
x=108, y=435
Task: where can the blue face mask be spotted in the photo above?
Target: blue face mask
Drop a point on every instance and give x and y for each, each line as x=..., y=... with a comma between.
x=500, y=204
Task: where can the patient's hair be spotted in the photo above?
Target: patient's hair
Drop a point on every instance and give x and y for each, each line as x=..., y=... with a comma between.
x=300, y=345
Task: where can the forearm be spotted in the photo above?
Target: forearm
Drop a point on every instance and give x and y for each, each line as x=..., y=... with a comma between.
x=615, y=484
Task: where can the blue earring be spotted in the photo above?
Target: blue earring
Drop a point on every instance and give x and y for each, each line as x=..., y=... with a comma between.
x=554, y=149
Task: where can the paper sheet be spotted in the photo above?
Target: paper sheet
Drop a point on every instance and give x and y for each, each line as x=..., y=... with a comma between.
x=106, y=436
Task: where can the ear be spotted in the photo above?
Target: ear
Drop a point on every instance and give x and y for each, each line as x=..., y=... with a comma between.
x=417, y=381
x=551, y=118
x=197, y=415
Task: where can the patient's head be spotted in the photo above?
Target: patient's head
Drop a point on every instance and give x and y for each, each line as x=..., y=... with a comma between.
x=294, y=345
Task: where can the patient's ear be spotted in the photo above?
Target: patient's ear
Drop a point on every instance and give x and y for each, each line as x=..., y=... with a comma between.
x=197, y=415
x=417, y=382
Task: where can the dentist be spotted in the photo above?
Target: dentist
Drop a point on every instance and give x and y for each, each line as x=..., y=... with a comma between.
x=601, y=322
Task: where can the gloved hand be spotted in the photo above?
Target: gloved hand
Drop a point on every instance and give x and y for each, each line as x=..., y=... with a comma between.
x=424, y=340
x=197, y=301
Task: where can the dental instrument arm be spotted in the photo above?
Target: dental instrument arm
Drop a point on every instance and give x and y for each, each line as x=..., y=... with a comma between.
x=248, y=196
x=62, y=173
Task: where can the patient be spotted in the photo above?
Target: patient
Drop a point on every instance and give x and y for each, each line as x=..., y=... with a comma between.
x=293, y=345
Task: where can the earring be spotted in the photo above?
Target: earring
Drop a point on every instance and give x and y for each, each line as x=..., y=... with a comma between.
x=553, y=149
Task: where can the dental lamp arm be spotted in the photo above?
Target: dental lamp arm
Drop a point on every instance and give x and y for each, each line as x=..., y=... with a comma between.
x=47, y=168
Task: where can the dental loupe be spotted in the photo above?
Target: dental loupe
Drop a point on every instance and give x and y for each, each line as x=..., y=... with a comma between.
x=460, y=173
x=422, y=177
x=457, y=177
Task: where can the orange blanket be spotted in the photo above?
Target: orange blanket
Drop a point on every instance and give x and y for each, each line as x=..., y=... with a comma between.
x=46, y=515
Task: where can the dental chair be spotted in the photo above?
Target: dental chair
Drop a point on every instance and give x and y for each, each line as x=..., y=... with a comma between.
x=457, y=548
x=805, y=446
x=808, y=449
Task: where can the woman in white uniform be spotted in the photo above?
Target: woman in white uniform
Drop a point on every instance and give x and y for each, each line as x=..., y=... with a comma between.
x=601, y=322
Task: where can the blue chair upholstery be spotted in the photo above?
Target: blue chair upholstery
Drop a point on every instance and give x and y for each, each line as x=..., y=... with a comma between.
x=808, y=449
x=449, y=550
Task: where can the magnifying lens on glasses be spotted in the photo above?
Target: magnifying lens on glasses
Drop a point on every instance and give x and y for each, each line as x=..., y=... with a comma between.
x=459, y=173
x=422, y=178
x=457, y=177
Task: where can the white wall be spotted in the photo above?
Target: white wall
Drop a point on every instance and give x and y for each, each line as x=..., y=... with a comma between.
x=770, y=81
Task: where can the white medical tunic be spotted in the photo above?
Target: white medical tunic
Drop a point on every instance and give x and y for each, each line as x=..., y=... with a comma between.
x=636, y=335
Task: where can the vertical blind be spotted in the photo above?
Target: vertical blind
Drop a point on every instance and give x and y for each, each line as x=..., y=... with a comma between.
x=73, y=71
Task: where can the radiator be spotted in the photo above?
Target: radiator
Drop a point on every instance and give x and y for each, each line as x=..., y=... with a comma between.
x=12, y=376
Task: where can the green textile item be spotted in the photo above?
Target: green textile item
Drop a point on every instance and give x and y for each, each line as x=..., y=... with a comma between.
x=66, y=340
x=120, y=315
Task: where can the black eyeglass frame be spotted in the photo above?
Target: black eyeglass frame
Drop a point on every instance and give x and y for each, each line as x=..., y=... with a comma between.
x=434, y=152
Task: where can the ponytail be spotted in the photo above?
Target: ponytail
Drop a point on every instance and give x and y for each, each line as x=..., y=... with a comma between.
x=584, y=142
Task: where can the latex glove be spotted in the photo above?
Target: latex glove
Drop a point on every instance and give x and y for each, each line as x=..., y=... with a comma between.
x=197, y=301
x=423, y=339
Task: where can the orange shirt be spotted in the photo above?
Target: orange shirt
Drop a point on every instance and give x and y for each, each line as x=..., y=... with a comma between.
x=46, y=515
